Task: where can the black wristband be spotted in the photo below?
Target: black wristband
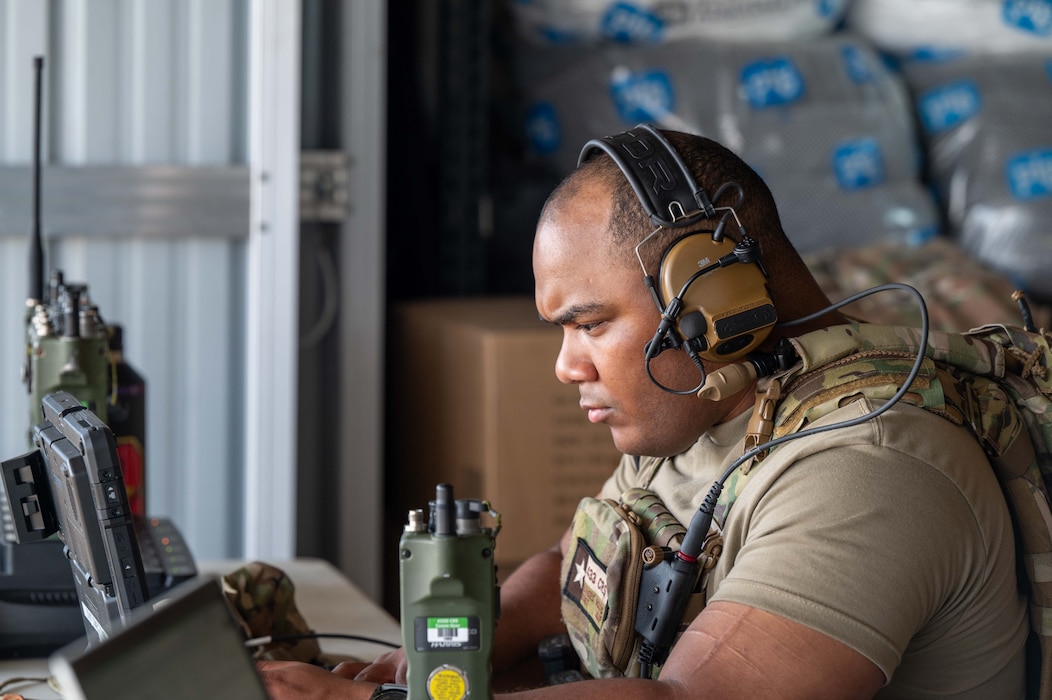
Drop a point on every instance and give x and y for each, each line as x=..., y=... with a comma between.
x=389, y=691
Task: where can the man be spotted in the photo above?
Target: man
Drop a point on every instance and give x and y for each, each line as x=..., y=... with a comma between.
x=871, y=559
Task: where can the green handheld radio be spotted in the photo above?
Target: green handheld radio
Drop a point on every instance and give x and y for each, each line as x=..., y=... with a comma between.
x=67, y=349
x=449, y=598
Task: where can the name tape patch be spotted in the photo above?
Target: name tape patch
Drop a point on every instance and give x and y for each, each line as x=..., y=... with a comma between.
x=586, y=584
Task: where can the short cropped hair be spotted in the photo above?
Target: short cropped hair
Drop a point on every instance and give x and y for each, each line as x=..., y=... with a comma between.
x=712, y=165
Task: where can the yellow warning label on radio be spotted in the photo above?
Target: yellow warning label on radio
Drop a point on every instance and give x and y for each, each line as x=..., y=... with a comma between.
x=447, y=683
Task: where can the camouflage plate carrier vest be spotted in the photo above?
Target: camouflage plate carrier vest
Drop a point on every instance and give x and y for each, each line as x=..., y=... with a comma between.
x=996, y=380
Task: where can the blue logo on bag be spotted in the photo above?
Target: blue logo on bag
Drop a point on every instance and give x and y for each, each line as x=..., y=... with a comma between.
x=771, y=82
x=856, y=64
x=829, y=8
x=949, y=105
x=1029, y=174
x=542, y=128
x=557, y=35
x=628, y=24
x=1034, y=16
x=642, y=96
x=858, y=164
x=931, y=54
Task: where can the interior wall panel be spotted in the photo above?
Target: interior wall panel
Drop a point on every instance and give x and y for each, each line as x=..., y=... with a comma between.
x=23, y=34
x=153, y=81
x=140, y=83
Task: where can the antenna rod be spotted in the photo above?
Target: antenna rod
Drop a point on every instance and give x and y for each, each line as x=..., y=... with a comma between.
x=36, y=244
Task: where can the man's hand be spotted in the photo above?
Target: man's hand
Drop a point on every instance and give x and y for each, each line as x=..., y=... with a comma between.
x=293, y=680
x=387, y=668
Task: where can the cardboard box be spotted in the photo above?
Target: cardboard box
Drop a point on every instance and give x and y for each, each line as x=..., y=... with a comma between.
x=474, y=402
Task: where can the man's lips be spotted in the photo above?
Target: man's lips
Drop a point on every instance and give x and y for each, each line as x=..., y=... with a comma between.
x=597, y=414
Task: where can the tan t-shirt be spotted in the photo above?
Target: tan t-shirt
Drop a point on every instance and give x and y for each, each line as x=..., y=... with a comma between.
x=891, y=536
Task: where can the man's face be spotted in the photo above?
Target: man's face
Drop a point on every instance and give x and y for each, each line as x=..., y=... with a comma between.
x=607, y=316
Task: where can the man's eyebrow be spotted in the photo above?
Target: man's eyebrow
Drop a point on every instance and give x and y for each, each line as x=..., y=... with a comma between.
x=574, y=313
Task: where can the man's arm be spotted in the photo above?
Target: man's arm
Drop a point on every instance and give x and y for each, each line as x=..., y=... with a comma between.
x=729, y=651
x=735, y=651
x=529, y=611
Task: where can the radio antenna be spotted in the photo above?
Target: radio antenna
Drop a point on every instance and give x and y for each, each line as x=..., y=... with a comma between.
x=36, y=243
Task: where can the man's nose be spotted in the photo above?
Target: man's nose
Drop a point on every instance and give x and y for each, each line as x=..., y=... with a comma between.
x=572, y=366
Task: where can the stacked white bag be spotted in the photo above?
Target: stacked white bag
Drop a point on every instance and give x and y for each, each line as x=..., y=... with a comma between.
x=980, y=76
x=908, y=27
x=560, y=22
x=818, y=114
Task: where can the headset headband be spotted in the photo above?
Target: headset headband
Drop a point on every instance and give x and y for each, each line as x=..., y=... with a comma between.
x=661, y=180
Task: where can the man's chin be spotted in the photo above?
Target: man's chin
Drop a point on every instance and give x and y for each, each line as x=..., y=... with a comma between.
x=629, y=444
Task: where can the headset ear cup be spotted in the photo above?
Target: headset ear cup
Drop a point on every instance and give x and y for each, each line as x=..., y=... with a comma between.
x=728, y=309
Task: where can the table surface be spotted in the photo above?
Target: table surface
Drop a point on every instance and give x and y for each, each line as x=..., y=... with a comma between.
x=328, y=600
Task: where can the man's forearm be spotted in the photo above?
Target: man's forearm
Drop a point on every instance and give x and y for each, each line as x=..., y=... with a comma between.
x=529, y=610
x=621, y=688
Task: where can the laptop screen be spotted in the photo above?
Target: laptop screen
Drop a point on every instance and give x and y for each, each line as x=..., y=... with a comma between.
x=188, y=646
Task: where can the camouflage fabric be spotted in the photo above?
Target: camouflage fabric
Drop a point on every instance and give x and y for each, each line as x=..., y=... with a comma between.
x=660, y=528
x=961, y=293
x=600, y=576
x=263, y=600
x=610, y=542
x=997, y=380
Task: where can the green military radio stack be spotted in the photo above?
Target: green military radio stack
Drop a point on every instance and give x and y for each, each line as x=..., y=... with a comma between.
x=449, y=598
x=67, y=346
x=67, y=349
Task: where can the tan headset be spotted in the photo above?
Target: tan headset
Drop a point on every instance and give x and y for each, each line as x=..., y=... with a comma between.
x=711, y=290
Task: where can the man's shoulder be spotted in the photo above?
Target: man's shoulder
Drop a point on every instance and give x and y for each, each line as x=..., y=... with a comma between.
x=904, y=443
x=900, y=428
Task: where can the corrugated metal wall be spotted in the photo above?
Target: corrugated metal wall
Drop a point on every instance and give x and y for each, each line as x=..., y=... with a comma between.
x=137, y=83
